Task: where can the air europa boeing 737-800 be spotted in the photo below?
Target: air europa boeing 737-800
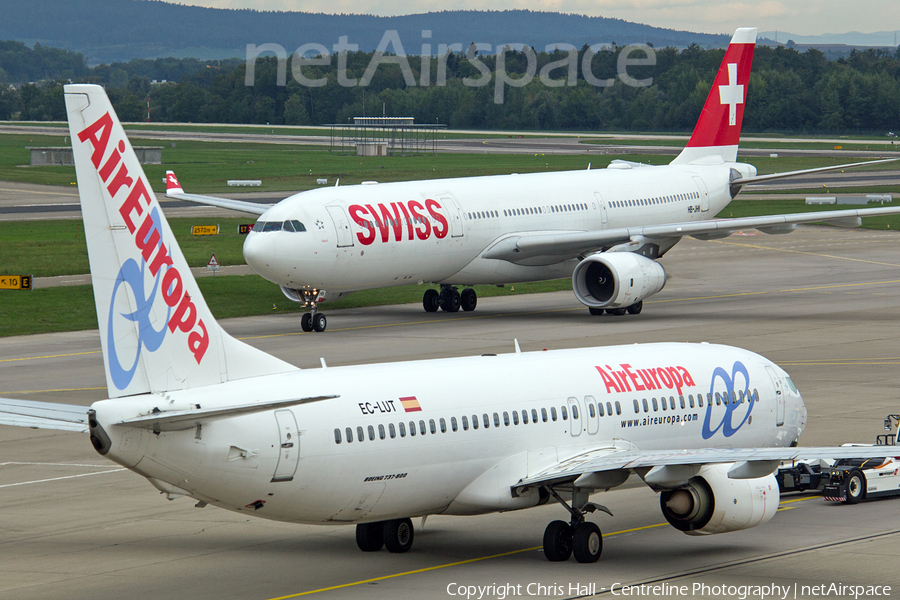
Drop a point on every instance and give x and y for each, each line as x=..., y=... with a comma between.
x=605, y=228
x=202, y=415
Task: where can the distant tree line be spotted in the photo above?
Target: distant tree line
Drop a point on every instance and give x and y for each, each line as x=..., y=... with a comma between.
x=789, y=90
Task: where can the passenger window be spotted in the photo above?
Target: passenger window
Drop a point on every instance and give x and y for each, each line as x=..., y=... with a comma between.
x=618, y=408
x=349, y=433
x=474, y=422
x=432, y=426
x=486, y=420
x=544, y=415
x=534, y=418
x=402, y=429
x=637, y=408
x=453, y=424
x=506, y=418
x=422, y=427
x=574, y=411
x=496, y=420
x=681, y=401
x=672, y=402
x=381, y=431
x=718, y=399
x=337, y=435
x=412, y=429
x=553, y=413
x=691, y=400
x=646, y=408
x=591, y=411
x=392, y=430
x=524, y=417
x=371, y=433
x=655, y=405
x=663, y=401
x=443, y=426
x=465, y=423
x=565, y=415
x=359, y=434
x=515, y=417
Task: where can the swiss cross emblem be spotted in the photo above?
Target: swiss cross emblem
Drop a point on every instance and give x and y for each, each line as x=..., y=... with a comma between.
x=731, y=94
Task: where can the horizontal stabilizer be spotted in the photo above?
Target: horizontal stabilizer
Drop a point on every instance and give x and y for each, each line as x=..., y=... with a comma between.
x=771, y=176
x=174, y=190
x=43, y=415
x=188, y=419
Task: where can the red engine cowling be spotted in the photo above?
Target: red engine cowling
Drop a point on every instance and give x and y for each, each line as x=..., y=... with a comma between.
x=713, y=503
x=616, y=279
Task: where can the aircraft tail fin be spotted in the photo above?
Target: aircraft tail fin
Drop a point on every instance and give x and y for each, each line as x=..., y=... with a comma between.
x=718, y=130
x=156, y=331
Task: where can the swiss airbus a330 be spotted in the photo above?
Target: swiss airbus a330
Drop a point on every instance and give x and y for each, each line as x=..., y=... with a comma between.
x=605, y=228
x=202, y=415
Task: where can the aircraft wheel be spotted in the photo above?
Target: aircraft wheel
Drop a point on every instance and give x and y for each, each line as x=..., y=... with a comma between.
x=616, y=311
x=451, y=302
x=595, y=311
x=370, y=536
x=468, y=299
x=856, y=486
x=635, y=309
x=431, y=301
x=587, y=542
x=319, y=322
x=398, y=535
x=306, y=322
x=558, y=541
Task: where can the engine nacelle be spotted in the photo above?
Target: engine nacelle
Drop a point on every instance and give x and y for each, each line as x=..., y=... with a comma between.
x=616, y=279
x=713, y=503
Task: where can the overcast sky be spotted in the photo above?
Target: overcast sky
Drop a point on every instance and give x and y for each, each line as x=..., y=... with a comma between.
x=802, y=17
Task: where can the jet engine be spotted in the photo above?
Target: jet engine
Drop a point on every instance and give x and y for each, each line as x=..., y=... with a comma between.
x=713, y=503
x=616, y=279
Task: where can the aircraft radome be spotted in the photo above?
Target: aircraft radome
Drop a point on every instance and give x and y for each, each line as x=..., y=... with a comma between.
x=606, y=228
x=202, y=415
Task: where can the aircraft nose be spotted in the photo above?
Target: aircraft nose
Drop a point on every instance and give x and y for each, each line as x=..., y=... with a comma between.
x=259, y=252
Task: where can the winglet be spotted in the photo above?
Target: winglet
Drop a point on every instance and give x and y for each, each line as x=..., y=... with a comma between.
x=173, y=188
x=718, y=130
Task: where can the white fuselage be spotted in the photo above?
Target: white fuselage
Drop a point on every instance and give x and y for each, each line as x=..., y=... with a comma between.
x=378, y=235
x=301, y=463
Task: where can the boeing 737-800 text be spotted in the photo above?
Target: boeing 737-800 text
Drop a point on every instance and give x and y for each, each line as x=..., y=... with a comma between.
x=202, y=415
x=605, y=228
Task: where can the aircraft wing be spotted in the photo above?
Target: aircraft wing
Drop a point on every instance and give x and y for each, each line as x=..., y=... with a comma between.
x=758, y=460
x=519, y=248
x=43, y=415
x=173, y=190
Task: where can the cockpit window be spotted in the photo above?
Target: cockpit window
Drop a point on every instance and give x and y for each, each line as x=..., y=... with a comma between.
x=791, y=385
x=265, y=226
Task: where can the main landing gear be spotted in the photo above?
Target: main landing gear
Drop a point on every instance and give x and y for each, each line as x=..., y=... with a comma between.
x=449, y=299
x=634, y=309
x=396, y=535
x=578, y=537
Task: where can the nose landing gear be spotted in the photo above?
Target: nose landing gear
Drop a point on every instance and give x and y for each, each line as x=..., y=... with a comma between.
x=313, y=320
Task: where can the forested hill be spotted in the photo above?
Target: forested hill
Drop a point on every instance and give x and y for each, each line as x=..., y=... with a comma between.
x=119, y=30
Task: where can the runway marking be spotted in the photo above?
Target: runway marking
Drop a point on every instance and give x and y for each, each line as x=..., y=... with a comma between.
x=758, y=247
x=87, y=389
x=2, y=360
x=46, y=464
x=9, y=485
x=444, y=566
x=30, y=192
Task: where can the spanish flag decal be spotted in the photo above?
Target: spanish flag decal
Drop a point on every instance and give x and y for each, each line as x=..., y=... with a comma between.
x=410, y=404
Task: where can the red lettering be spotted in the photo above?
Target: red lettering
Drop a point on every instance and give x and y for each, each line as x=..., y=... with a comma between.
x=103, y=125
x=622, y=377
x=198, y=342
x=432, y=206
x=131, y=203
x=610, y=384
x=648, y=381
x=406, y=219
x=676, y=378
x=655, y=380
x=119, y=181
x=634, y=378
x=392, y=219
x=686, y=377
x=172, y=286
x=162, y=258
x=148, y=238
x=357, y=213
x=420, y=220
x=664, y=377
x=184, y=316
x=112, y=161
x=382, y=226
